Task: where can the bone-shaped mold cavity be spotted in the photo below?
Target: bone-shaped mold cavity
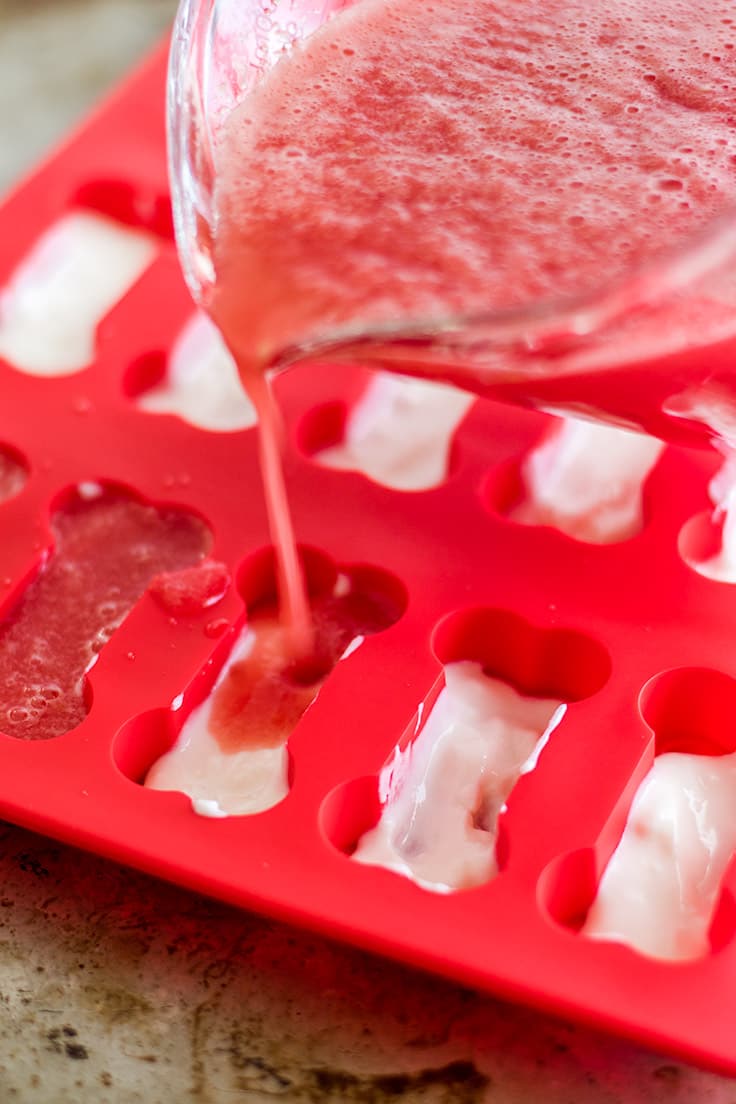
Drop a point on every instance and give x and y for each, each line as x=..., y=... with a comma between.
x=198, y=381
x=661, y=891
x=71, y=278
x=583, y=479
x=399, y=433
x=108, y=547
x=434, y=812
x=228, y=751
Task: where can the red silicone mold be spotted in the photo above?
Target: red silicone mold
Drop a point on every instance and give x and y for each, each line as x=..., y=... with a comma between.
x=604, y=627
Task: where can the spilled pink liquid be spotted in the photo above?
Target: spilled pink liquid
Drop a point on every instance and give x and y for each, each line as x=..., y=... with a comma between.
x=107, y=550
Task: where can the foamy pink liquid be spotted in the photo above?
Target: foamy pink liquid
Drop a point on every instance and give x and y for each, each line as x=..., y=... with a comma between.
x=410, y=161
x=108, y=549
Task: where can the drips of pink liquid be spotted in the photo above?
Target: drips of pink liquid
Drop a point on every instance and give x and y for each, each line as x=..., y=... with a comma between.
x=107, y=550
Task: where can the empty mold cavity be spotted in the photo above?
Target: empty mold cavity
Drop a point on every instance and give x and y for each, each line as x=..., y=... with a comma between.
x=229, y=754
x=583, y=479
x=13, y=474
x=398, y=434
x=74, y=274
x=661, y=891
x=108, y=547
x=442, y=794
x=198, y=381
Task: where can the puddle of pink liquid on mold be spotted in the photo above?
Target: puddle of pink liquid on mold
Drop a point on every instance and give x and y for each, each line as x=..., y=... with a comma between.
x=191, y=590
x=107, y=549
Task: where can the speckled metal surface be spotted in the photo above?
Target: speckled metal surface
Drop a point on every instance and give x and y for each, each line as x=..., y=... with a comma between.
x=118, y=989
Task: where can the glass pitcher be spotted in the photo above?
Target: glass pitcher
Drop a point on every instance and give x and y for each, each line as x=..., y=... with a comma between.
x=648, y=344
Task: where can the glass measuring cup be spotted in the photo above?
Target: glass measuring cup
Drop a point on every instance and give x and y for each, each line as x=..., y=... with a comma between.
x=649, y=342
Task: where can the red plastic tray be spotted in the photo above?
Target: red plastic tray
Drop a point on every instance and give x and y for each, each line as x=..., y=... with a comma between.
x=513, y=596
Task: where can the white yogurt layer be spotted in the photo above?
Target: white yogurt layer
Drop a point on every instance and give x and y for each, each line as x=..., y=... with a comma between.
x=586, y=480
x=222, y=783
x=722, y=489
x=713, y=406
x=202, y=384
x=400, y=433
x=661, y=886
x=443, y=795
x=73, y=276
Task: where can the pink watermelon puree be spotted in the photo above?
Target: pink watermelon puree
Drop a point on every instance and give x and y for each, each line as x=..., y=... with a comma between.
x=108, y=549
x=411, y=159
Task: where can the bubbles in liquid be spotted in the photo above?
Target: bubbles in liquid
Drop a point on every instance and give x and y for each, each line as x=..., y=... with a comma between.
x=85, y=588
x=101, y=638
x=18, y=715
x=108, y=611
x=438, y=242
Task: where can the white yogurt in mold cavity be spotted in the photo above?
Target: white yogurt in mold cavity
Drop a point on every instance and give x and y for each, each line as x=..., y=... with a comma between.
x=73, y=276
x=202, y=384
x=586, y=480
x=442, y=796
x=399, y=433
x=721, y=567
x=661, y=886
x=222, y=783
x=713, y=406
x=231, y=755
